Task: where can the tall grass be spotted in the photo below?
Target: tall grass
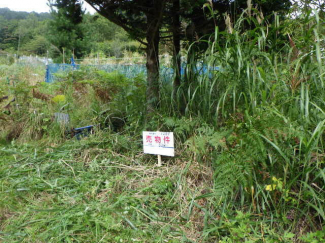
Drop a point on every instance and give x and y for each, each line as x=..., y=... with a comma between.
x=268, y=95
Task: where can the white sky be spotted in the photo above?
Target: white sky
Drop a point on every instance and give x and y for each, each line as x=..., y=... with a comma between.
x=33, y=5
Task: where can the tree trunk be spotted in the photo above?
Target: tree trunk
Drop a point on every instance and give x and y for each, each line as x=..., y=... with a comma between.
x=176, y=28
x=152, y=36
x=176, y=44
x=152, y=74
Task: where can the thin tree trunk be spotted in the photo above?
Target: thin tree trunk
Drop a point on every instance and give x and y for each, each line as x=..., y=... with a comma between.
x=176, y=30
x=176, y=44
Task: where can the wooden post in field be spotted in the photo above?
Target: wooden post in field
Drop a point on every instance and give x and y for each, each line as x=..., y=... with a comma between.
x=159, y=159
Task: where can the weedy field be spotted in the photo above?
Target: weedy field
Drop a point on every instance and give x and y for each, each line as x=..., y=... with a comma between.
x=249, y=164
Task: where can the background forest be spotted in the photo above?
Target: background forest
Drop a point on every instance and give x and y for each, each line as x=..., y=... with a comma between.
x=25, y=33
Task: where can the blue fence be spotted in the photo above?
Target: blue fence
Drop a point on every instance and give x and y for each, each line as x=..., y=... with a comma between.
x=53, y=71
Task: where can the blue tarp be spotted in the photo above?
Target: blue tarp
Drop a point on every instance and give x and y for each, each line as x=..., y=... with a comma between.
x=130, y=71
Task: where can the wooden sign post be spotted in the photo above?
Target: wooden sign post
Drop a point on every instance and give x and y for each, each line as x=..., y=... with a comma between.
x=159, y=143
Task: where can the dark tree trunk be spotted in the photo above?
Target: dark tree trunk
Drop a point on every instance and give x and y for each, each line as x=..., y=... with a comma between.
x=152, y=71
x=176, y=43
x=176, y=30
x=152, y=36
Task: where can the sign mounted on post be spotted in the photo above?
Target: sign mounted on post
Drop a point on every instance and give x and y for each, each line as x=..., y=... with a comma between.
x=159, y=143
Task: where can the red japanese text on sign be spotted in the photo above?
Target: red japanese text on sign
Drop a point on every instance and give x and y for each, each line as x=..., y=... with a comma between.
x=166, y=139
x=161, y=143
x=158, y=139
x=149, y=139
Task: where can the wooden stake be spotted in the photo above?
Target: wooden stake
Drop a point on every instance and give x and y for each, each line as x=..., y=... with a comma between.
x=159, y=160
x=63, y=55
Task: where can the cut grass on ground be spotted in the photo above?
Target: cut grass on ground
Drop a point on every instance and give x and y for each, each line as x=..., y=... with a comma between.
x=80, y=192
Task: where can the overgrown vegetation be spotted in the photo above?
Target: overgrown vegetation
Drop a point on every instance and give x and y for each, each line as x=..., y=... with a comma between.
x=249, y=163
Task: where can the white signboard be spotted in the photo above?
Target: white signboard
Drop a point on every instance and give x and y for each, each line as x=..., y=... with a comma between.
x=160, y=143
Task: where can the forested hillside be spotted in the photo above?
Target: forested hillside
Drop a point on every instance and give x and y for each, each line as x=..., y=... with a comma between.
x=18, y=15
x=25, y=33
